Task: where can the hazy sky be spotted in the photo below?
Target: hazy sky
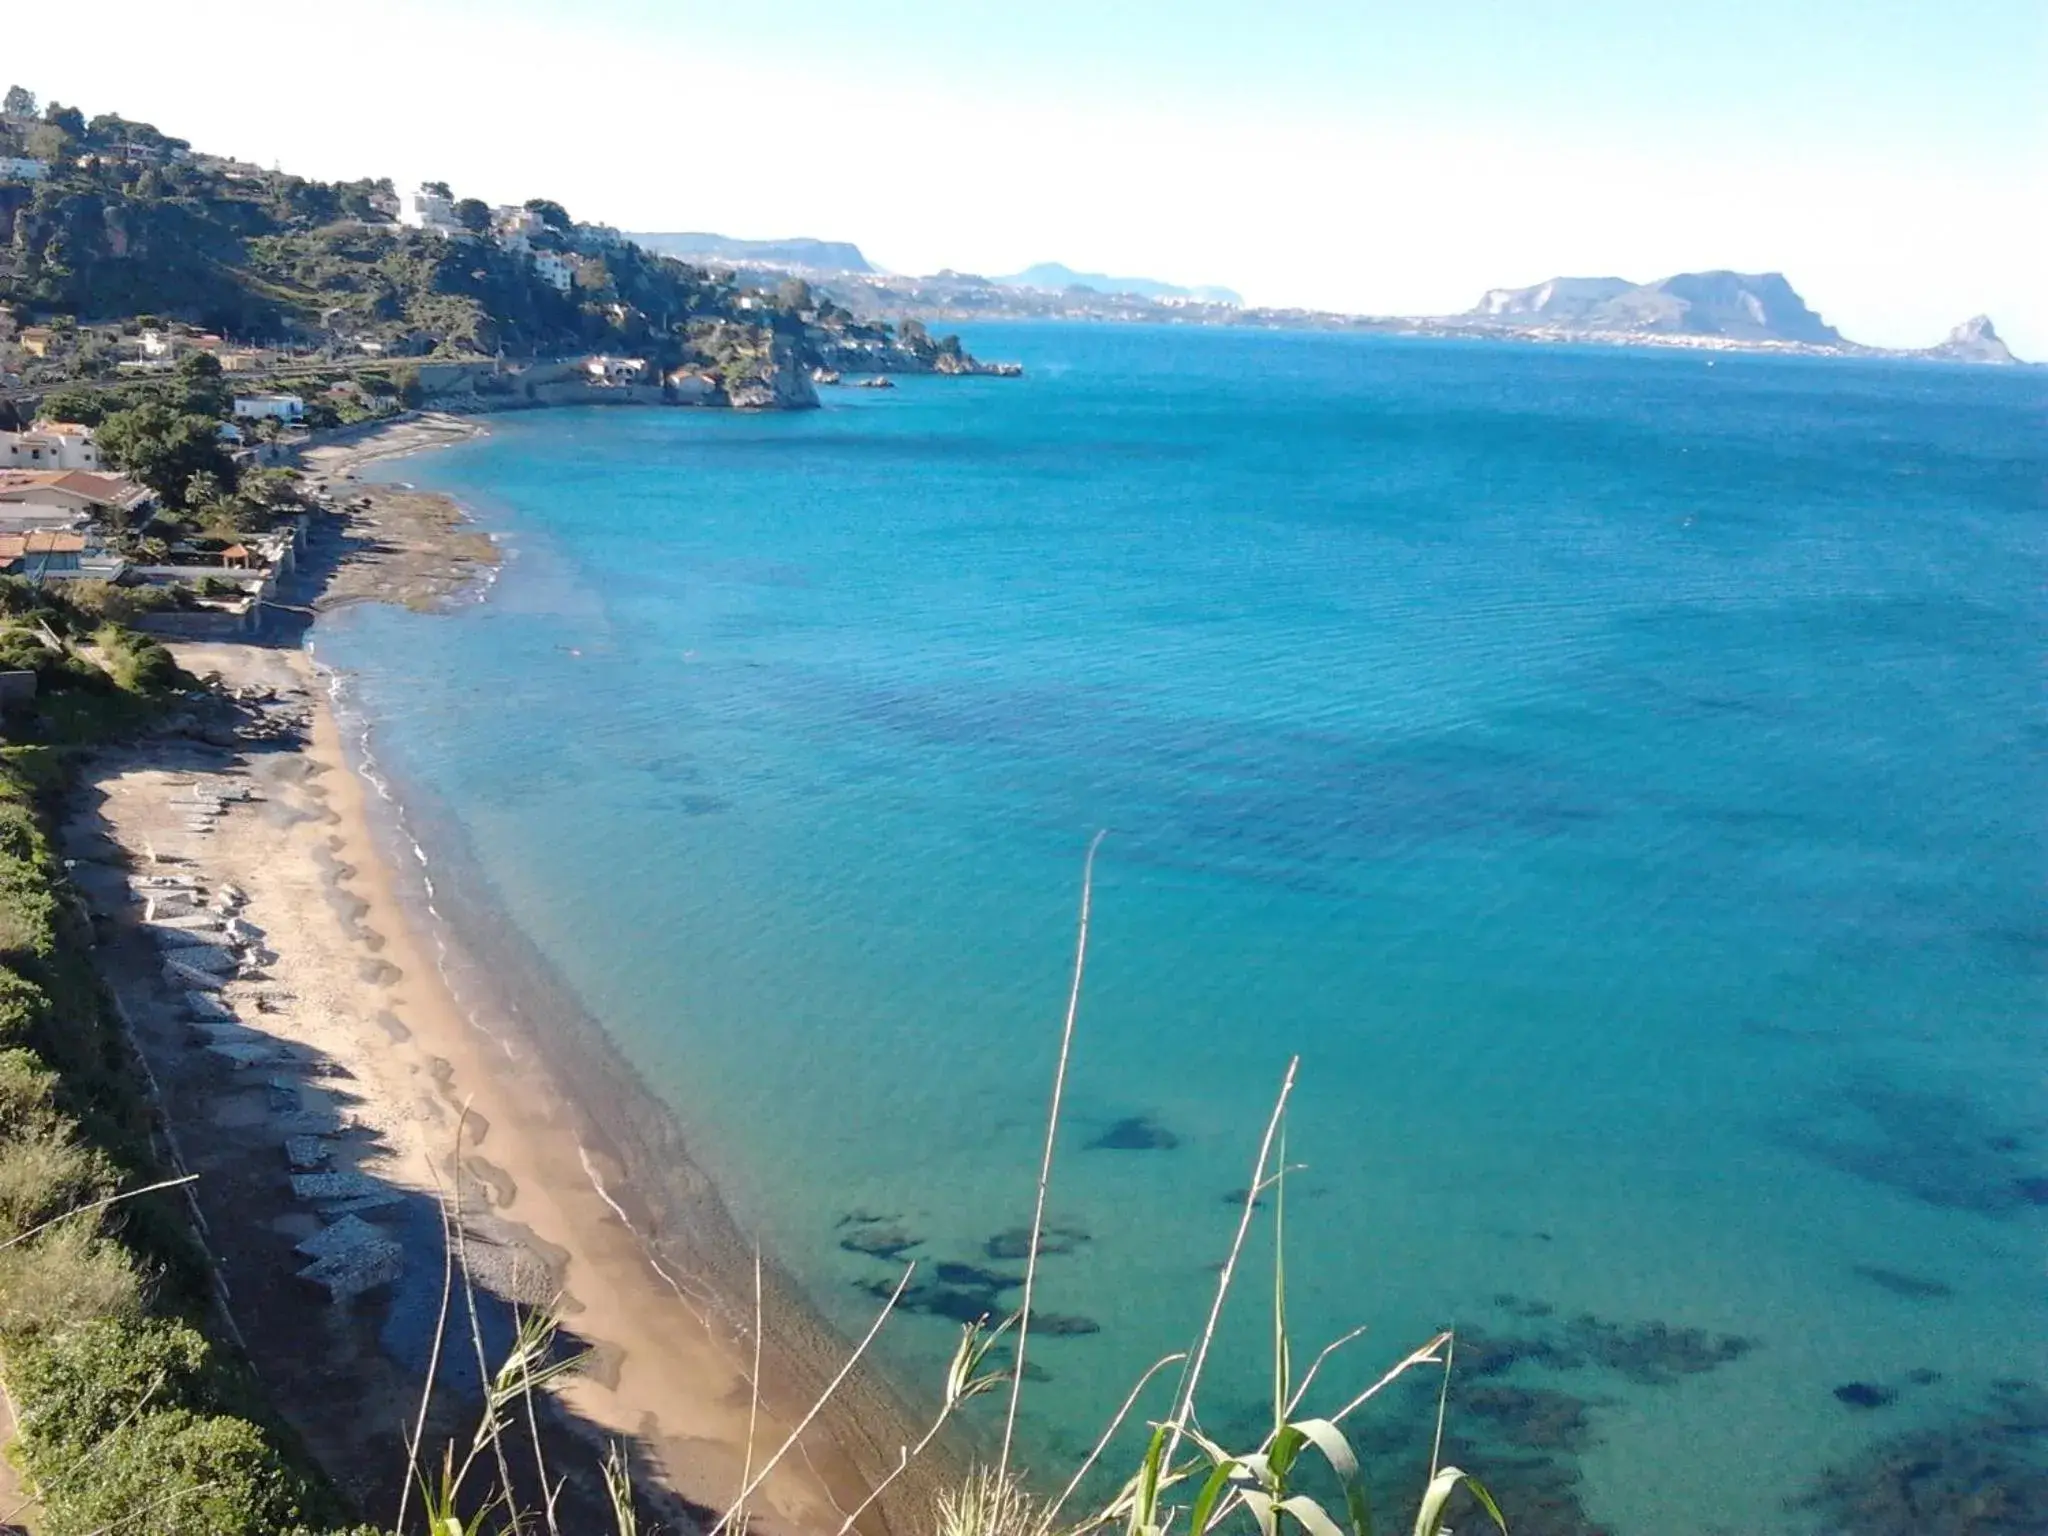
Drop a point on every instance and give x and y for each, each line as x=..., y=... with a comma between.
x=1890, y=158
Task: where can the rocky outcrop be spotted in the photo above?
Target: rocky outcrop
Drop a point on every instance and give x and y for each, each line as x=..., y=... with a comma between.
x=1737, y=306
x=778, y=383
x=1976, y=340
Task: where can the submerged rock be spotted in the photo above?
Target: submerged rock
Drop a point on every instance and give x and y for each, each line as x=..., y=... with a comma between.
x=1910, y=1286
x=1864, y=1394
x=879, y=1241
x=1138, y=1133
x=1983, y=1473
x=1015, y=1242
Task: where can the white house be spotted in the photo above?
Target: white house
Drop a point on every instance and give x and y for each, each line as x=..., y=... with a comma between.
x=17, y=168
x=616, y=370
x=515, y=226
x=158, y=343
x=50, y=445
x=285, y=408
x=555, y=269
x=430, y=210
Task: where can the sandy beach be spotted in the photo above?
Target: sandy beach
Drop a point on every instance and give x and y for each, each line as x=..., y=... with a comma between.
x=336, y=1048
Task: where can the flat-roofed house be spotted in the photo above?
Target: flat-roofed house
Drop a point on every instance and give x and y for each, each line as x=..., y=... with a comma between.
x=50, y=445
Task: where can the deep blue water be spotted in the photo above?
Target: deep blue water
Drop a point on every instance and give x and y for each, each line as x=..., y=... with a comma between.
x=1615, y=773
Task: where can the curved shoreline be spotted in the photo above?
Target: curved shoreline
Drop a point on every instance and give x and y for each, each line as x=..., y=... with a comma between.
x=638, y=1234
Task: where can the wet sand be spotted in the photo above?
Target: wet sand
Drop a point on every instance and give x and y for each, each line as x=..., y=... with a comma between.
x=342, y=1027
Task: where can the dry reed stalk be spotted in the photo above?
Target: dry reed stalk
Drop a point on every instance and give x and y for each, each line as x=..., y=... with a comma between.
x=1052, y=1127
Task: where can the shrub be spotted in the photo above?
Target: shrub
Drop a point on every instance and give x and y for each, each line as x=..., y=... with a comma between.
x=45, y=1175
x=86, y=1382
x=23, y=1007
x=27, y=1090
x=177, y=1474
x=66, y=1276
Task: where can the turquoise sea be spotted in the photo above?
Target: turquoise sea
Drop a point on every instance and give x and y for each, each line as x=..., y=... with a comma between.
x=1615, y=773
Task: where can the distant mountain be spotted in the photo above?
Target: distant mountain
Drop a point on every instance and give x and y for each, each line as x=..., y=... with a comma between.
x=1738, y=306
x=801, y=252
x=1057, y=277
x=1974, y=341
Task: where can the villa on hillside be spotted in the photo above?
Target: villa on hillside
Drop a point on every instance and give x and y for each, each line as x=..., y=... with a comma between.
x=50, y=445
x=285, y=408
x=616, y=370
x=555, y=269
x=67, y=498
x=432, y=211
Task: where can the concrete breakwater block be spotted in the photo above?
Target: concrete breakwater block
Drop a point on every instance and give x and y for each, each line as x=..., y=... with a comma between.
x=170, y=904
x=376, y=1202
x=206, y=1008
x=206, y=950
x=349, y=1274
x=194, y=921
x=348, y=1235
x=191, y=977
x=241, y=1054
x=343, y=1184
x=305, y=1152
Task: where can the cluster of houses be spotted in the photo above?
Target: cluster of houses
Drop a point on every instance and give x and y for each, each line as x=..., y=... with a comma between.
x=513, y=227
x=59, y=507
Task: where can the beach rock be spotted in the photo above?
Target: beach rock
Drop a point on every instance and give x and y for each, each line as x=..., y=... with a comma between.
x=1863, y=1394
x=1139, y=1133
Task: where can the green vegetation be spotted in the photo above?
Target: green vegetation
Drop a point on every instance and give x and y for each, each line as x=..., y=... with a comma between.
x=131, y=224
x=128, y=1417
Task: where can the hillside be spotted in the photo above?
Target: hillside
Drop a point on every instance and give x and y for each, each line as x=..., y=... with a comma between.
x=1737, y=306
x=110, y=227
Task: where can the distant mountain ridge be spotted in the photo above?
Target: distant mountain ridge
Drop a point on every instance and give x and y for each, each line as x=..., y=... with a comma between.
x=798, y=251
x=1057, y=277
x=1739, y=306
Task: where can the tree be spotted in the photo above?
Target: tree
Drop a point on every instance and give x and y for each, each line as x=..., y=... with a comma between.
x=70, y=119
x=20, y=102
x=75, y=403
x=206, y=393
x=165, y=448
x=46, y=141
x=552, y=213
x=436, y=188
x=473, y=214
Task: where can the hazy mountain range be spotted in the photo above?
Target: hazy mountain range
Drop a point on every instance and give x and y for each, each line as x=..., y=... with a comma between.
x=1712, y=309
x=798, y=254
x=1057, y=277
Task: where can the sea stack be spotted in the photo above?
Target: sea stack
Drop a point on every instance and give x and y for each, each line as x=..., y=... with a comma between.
x=1976, y=340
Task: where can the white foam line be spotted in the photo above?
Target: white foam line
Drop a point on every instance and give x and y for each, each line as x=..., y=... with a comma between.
x=367, y=767
x=639, y=1237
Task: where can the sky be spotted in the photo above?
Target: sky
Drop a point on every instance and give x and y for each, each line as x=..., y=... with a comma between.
x=1890, y=158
